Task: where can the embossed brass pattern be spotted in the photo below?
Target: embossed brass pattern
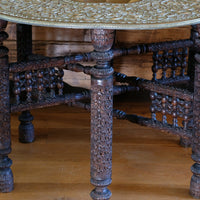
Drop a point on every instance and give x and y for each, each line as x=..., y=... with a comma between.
x=143, y=14
x=107, y=1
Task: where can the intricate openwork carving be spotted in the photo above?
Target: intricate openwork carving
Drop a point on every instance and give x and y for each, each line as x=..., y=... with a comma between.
x=6, y=177
x=178, y=109
x=37, y=85
x=172, y=60
x=101, y=117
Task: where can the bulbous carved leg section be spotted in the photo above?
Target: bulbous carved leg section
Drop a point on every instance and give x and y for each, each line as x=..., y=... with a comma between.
x=185, y=142
x=195, y=181
x=101, y=116
x=26, y=128
x=6, y=176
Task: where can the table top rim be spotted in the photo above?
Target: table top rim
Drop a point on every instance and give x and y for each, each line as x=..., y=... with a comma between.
x=106, y=23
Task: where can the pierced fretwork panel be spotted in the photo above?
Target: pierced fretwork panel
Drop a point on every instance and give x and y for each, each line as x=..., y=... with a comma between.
x=173, y=110
x=37, y=85
x=169, y=63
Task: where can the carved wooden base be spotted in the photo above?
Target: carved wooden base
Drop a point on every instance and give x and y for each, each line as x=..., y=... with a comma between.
x=195, y=181
x=101, y=193
x=195, y=187
x=26, y=128
x=6, y=175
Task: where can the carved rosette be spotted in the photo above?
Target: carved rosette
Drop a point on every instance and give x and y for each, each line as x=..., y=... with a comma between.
x=6, y=176
x=101, y=115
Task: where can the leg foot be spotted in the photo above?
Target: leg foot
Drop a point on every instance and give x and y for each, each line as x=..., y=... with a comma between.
x=6, y=175
x=26, y=128
x=101, y=193
x=195, y=181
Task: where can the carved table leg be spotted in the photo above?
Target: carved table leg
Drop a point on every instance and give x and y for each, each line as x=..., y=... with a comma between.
x=191, y=68
x=195, y=181
x=101, y=115
x=24, y=49
x=6, y=176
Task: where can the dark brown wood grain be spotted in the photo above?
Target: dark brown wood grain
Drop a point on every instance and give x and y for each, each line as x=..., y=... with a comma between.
x=6, y=176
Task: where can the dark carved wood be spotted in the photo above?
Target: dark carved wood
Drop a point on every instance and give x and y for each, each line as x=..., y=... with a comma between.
x=101, y=116
x=24, y=50
x=38, y=82
x=195, y=180
x=48, y=62
x=26, y=128
x=6, y=176
x=154, y=47
x=191, y=68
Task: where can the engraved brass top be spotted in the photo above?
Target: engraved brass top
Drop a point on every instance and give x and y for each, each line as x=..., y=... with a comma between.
x=107, y=14
x=107, y=1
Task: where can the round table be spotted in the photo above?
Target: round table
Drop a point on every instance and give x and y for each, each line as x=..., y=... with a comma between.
x=103, y=17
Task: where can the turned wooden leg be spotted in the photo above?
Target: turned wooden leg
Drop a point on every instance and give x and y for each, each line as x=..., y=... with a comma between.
x=24, y=49
x=101, y=115
x=195, y=181
x=6, y=176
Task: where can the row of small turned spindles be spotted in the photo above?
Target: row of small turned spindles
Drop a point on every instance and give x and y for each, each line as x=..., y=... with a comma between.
x=37, y=83
x=173, y=60
x=172, y=106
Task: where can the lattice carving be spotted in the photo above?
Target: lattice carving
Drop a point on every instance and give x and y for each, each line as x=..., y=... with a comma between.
x=37, y=85
x=174, y=61
x=178, y=109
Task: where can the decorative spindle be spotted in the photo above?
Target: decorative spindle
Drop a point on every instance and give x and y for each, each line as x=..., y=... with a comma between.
x=60, y=84
x=163, y=111
x=6, y=176
x=184, y=61
x=101, y=115
x=28, y=77
x=155, y=66
x=52, y=83
x=174, y=113
x=40, y=85
x=153, y=96
x=165, y=64
x=174, y=64
x=16, y=89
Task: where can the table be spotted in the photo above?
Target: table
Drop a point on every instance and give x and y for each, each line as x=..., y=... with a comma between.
x=37, y=82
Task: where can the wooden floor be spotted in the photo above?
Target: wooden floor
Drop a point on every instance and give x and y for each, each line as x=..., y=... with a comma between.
x=147, y=164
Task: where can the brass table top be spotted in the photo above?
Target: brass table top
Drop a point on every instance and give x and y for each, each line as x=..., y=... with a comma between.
x=107, y=14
